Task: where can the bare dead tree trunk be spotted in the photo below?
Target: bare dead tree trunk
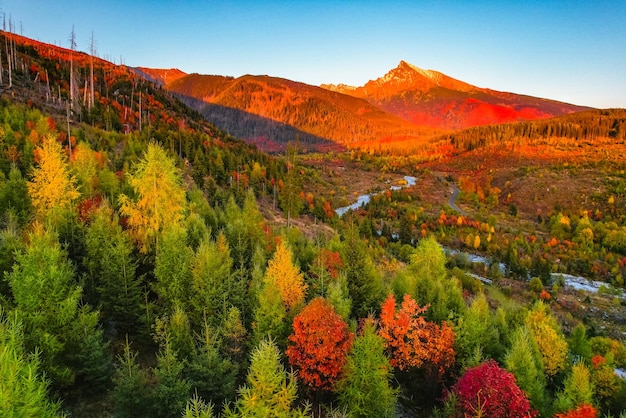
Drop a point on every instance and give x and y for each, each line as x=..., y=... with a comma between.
x=85, y=92
x=92, y=51
x=72, y=46
x=6, y=47
x=48, y=86
x=12, y=42
x=132, y=94
x=2, y=66
x=69, y=136
x=140, y=111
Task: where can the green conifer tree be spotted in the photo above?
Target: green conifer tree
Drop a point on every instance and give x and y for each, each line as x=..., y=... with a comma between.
x=270, y=390
x=365, y=389
x=364, y=284
x=426, y=280
x=173, y=268
x=524, y=361
x=23, y=388
x=197, y=408
x=577, y=389
x=110, y=273
x=131, y=393
x=214, y=286
x=270, y=316
x=14, y=196
x=47, y=300
x=172, y=391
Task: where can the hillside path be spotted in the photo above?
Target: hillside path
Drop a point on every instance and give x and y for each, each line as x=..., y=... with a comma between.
x=453, y=196
x=452, y=200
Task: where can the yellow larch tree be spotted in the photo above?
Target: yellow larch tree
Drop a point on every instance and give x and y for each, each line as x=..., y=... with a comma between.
x=282, y=273
x=159, y=197
x=550, y=341
x=52, y=187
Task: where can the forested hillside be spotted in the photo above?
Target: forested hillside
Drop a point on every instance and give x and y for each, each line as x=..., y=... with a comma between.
x=258, y=108
x=153, y=266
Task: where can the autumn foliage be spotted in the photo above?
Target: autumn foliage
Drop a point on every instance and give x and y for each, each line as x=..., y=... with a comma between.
x=412, y=341
x=582, y=411
x=488, y=390
x=286, y=276
x=52, y=185
x=550, y=341
x=320, y=341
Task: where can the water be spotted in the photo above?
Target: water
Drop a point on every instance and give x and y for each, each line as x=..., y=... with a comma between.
x=474, y=258
x=582, y=283
x=571, y=281
x=364, y=199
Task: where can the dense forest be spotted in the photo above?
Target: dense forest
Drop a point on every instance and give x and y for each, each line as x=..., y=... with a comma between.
x=145, y=273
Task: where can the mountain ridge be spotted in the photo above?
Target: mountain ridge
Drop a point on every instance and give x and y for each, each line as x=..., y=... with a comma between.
x=322, y=113
x=406, y=103
x=432, y=99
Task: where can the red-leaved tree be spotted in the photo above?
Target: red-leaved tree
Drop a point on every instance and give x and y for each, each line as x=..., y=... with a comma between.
x=582, y=411
x=411, y=340
x=488, y=390
x=320, y=343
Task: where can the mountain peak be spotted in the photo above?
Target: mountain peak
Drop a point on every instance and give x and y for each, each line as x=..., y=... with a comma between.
x=406, y=66
x=407, y=71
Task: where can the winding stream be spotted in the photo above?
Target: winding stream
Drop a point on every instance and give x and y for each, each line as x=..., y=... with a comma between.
x=364, y=199
x=572, y=281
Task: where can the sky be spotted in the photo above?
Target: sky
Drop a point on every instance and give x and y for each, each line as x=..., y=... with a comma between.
x=573, y=51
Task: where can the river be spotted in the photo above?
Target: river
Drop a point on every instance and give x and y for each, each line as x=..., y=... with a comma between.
x=364, y=199
x=572, y=281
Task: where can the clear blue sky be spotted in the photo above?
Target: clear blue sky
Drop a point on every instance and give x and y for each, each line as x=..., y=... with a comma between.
x=573, y=51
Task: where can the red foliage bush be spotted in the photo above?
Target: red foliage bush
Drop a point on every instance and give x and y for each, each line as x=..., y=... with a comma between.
x=488, y=390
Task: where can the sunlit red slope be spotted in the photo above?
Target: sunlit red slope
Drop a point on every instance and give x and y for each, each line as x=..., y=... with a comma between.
x=162, y=76
x=322, y=113
x=430, y=98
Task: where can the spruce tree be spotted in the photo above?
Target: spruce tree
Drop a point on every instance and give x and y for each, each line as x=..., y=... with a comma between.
x=214, y=286
x=111, y=273
x=364, y=284
x=131, y=393
x=171, y=392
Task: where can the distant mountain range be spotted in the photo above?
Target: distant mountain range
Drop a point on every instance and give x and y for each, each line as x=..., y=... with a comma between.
x=407, y=103
x=430, y=98
x=408, y=109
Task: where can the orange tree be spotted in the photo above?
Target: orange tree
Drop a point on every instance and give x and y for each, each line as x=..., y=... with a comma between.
x=319, y=344
x=411, y=340
x=582, y=411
